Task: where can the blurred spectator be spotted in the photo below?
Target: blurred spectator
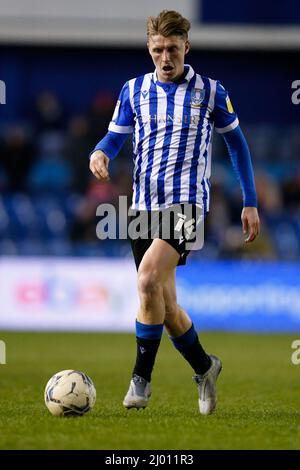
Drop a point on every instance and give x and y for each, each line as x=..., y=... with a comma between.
x=17, y=155
x=100, y=115
x=85, y=220
x=78, y=145
x=50, y=174
x=268, y=193
x=49, y=115
x=291, y=193
x=232, y=245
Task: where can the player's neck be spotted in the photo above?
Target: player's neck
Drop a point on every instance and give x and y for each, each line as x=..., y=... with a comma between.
x=177, y=79
x=180, y=77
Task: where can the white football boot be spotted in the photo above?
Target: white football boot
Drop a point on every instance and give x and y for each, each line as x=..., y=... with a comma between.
x=138, y=394
x=206, y=384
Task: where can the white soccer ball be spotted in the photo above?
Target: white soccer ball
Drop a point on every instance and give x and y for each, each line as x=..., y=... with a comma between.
x=70, y=392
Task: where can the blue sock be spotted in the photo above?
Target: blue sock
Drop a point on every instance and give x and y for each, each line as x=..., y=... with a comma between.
x=148, y=331
x=184, y=341
x=190, y=348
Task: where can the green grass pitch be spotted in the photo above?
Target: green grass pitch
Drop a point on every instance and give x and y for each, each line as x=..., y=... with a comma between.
x=258, y=389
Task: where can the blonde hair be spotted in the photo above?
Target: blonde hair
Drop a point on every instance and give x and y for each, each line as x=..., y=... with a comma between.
x=168, y=23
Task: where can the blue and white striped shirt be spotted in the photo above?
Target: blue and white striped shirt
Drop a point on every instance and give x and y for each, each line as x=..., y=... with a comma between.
x=172, y=125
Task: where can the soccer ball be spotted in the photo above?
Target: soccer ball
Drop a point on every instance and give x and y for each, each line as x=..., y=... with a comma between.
x=70, y=392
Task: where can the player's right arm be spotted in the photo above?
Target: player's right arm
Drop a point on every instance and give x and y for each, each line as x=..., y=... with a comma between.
x=119, y=128
x=99, y=165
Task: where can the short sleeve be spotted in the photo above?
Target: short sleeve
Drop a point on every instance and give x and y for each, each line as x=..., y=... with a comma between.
x=225, y=118
x=123, y=117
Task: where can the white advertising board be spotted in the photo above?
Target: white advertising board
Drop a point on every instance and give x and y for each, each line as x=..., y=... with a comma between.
x=68, y=294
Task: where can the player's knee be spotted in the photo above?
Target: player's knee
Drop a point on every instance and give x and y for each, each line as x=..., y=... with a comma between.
x=149, y=282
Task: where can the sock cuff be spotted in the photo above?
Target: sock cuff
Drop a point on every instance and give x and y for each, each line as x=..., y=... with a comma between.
x=148, y=331
x=184, y=341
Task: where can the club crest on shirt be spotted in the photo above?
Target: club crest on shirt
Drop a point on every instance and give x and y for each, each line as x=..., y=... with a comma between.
x=197, y=96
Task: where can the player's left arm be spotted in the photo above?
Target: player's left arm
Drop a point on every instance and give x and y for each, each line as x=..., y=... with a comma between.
x=241, y=161
x=227, y=124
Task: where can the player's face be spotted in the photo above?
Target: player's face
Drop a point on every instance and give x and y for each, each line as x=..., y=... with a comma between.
x=168, y=56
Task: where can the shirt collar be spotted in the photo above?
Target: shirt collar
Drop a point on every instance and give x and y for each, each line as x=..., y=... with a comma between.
x=189, y=73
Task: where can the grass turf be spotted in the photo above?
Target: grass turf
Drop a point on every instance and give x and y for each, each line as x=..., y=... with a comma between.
x=258, y=389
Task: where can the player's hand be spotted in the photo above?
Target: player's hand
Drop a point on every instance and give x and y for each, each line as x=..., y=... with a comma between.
x=251, y=223
x=99, y=165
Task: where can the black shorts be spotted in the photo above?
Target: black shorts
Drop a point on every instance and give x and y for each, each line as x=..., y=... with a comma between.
x=181, y=226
